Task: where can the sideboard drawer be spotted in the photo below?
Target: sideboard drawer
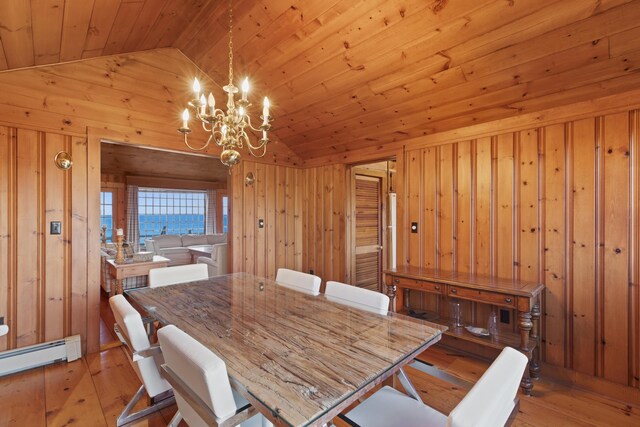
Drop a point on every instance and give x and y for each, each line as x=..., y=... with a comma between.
x=495, y=298
x=417, y=284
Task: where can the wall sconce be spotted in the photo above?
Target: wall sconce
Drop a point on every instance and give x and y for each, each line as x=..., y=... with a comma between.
x=63, y=160
x=249, y=179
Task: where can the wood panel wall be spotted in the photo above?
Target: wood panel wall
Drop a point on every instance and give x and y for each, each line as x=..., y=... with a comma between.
x=43, y=278
x=324, y=213
x=275, y=197
x=556, y=204
x=304, y=212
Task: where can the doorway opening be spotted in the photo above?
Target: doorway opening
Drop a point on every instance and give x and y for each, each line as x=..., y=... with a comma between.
x=372, y=225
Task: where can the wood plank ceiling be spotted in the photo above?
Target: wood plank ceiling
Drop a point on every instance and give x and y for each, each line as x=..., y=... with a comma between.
x=356, y=74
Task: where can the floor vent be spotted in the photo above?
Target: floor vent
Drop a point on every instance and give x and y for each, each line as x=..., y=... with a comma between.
x=21, y=359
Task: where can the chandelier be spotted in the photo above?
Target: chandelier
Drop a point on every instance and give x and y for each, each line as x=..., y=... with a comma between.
x=230, y=130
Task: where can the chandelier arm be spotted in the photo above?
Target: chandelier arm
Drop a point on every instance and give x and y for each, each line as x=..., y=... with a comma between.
x=197, y=149
x=256, y=129
x=263, y=147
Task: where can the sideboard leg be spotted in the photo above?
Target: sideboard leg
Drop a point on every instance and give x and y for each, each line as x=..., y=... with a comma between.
x=525, y=326
x=534, y=366
x=391, y=293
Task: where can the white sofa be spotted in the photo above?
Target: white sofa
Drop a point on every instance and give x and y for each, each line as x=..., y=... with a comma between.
x=176, y=247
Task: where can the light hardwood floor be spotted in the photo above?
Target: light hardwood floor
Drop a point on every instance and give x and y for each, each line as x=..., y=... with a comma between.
x=92, y=392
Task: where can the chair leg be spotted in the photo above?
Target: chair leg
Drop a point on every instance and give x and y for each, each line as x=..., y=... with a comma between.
x=175, y=420
x=127, y=417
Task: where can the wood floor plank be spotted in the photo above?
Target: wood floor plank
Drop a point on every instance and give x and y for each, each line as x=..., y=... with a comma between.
x=22, y=399
x=116, y=383
x=71, y=397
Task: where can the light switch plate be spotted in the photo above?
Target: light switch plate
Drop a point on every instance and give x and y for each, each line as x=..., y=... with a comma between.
x=55, y=227
x=261, y=223
x=414, y=227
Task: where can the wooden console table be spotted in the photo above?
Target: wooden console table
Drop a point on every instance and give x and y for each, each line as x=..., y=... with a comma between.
x=133, y=269
x=524, y=297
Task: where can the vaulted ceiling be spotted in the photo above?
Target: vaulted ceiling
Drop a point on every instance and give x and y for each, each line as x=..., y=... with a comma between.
x=357, y=74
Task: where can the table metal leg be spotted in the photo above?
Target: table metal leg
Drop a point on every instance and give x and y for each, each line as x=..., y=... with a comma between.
x=408, y=386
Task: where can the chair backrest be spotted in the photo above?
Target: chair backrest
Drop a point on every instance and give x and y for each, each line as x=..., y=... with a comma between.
x=492, y=398
x=178, y=274
x=299, y=281
x=130, y=324
x=4, y=329
x=361, y=298
x=202, y=370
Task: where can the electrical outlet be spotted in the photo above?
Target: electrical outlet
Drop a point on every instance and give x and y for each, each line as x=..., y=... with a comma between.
x=505, y=316
x=55, y=227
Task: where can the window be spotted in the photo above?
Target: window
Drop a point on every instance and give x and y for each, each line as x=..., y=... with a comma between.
x=106, y=212
x=163, y=211
x=222, y=212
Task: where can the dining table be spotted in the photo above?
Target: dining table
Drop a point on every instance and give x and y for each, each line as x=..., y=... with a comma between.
x=299, y=359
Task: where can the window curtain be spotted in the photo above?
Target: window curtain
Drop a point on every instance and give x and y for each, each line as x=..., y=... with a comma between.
x=133, y=223
x=210, y=221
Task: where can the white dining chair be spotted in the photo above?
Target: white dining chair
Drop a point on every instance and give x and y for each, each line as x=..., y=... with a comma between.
x=177, y=274
x=354, y=296
x=4, y=329
x=490, y=403
x=299, y=281
x=201, y=384
x=146, y=361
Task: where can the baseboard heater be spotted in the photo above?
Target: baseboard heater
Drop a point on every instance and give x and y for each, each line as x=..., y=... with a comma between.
x=21, y=359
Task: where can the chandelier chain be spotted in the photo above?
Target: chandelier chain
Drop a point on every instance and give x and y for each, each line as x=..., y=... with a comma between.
x=230, y=45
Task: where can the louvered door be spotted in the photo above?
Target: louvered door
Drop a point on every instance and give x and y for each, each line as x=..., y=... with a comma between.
x=368, y=232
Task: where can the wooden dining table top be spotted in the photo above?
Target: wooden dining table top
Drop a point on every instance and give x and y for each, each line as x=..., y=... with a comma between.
x=299, y=359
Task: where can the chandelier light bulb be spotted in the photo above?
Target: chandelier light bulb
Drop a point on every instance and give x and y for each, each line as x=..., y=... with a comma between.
x=265, y=111
x=196, y=88
x=185, y=118
x=241, y=111
x=245, y=88
x=203, y=104
x=212, y=103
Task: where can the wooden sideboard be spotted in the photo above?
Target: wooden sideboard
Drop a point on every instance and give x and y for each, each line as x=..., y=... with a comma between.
x=524, y=297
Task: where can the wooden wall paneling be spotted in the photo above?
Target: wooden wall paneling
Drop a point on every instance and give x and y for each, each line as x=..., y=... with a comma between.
x=583, y=282
x=55, y=280
x=328, y=236
x=555, y=306
x=482, y=206
x=261, y=196
x=446, y=206
x=102, y=19
x=28, y=238
x=341, y=194
x=270, y=222
x=319, y=222
x=125, y=19
x=79, y=236
x=290, y=208
x=428, y=220
x=528, y=205
x=634, y=252
x=463, y=235
x=250, y=221
x=504, y=219
x=93, y=236
x=236, y=214
x=7, y=205
x=615, y=291
x=281, y=223
x=414, y=206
